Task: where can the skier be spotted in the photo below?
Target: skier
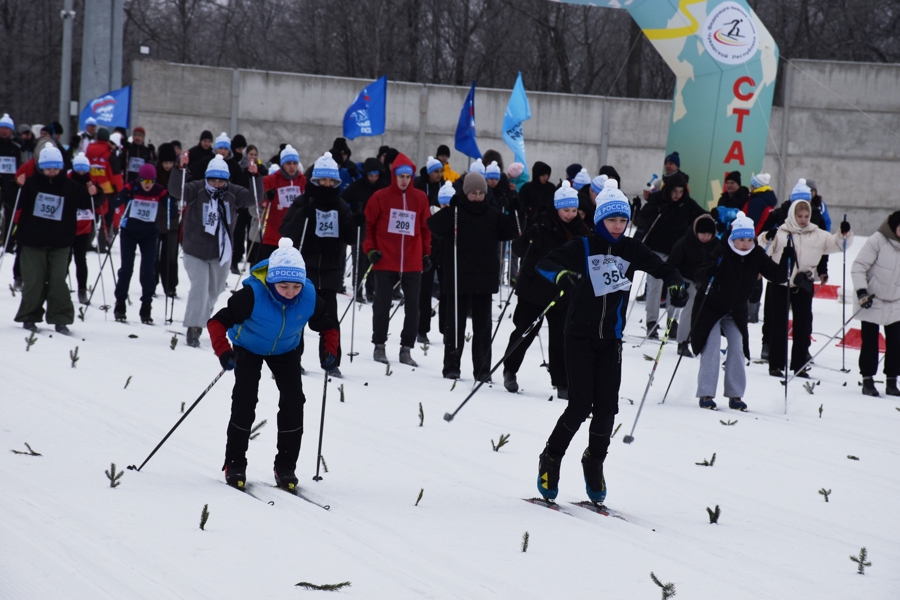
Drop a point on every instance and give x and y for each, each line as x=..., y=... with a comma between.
x=81, y=169
x=687, y=255
x=357, y=196
x=876, y=273
x=167, y=259
x=593, y=339
x=145, y=211
x=734, y=267
x=552, y=230
x=264, y=321
x=282, y=189
x=49, y=205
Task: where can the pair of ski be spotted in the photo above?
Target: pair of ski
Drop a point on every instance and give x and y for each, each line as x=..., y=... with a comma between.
x=291, y=489
x=594, y=507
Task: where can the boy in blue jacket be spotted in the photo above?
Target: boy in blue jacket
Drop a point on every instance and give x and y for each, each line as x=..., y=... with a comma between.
x=264, y=320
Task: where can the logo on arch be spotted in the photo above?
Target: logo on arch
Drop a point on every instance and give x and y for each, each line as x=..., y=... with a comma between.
x=730, y=35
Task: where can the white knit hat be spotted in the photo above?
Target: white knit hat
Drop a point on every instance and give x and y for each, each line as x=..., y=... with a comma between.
x=742, y=227
x=289, y=155
x=801, y=191
x=116, y=138
x=492, y=171
x=326, y=167
x=50, y=158
x=611, y=202
x=760, y=179
x=477, y=167
x=223, y=141
x=581, y=180
x=90, y=121
x=6, y=121
x=274, y=169
x=286, y=264
x=565, y=197
x=432, y=165
x=446, y=192
x=80, y=163
x=217, y=169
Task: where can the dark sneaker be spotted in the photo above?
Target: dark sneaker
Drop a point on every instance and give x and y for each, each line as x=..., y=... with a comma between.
x=119, y=311
x=891, y=389
x=802, y=374
x=406, y=357
x=360, y=298
x=562, y=393
x=451, y=374
x=61, y=328
x=764, y=354
x=370, y=296
x=776, y=372
x=422, y=338
x=380, y=355
x=235, y=270
x=548, y=474
x=652, y=330
x=29, y=325
x=684, y=350
x=707, y=402
x=737, y=404
x=869, y=387
x=193, y=336
x=236, y=473
x=285, y=478
x=594, y=482
x=335, y=372
x=146, y=319
x=509, y=382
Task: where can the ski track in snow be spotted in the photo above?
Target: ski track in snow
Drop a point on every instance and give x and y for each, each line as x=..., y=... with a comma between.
x=65, y=533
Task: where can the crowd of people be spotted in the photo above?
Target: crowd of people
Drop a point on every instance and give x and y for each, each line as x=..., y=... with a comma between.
x=570, y=249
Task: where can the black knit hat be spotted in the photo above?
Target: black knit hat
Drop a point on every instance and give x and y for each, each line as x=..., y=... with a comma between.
x=340, y=144
x=734, y=176
x=166, y=153
x=894, y=220
x=443, y=150
x=572, y=170
x=372, y=165
x=391, y=156
x=705, y=225
x=103, y=134
x=238, y=141
x=206, y=134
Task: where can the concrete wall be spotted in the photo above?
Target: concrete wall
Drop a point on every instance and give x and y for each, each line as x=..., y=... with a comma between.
x=842, y=121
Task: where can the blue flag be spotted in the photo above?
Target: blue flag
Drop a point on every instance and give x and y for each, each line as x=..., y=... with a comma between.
x=110, y=110
x=517, y=112
x=465, y=130
x=365, y=116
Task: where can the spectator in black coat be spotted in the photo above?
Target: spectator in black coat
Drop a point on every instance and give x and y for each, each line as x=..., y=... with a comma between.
x=356, y=195
x=687, y=255
x=537, y=194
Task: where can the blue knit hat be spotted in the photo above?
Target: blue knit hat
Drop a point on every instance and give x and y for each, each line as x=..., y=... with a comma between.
x=6, y=121
x=581, y=180
x=223, y=141
x=289, y=155
x=326, y=167
x=597, y=183
x=565, y=197
x=446, y=192
x=286, y=264
x=801, y=191
x=403, y=170
x=611, y=202
x=50, y=158
x=492, y=171
x=432, y=165
x=80, y=164
x=674, y=159
x=217, y=169
x=477, y=167
x=742, y=227
x=760, y=180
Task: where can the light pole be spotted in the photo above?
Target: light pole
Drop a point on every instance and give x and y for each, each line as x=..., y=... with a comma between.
x=65, y=82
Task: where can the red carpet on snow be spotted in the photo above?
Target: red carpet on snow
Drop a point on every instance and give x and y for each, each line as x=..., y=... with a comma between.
x=853, y=340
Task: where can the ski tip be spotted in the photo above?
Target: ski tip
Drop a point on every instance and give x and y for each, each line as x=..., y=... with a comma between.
x=628, y=439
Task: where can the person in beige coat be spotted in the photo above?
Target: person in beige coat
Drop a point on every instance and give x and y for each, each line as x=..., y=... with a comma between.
x=876, y=277
x=807, y=243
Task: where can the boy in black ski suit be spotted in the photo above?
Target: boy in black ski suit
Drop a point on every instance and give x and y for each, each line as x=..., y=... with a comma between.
x=596, y=272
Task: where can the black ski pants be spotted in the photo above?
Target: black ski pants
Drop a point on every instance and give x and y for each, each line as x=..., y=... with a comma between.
x=523, y=317
x=776, y=323
x=595, y=374
x=167, y=262
x=381, y=308
x=480, y=305
x=79, y=253
x=868, y=355
x=286, y=369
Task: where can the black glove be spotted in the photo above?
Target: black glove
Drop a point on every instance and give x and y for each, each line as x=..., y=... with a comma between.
x=270, y=195
x=328, y=361
x=426, y=264
x=789, y=254
x=374, y=256
x=567, y=280
x=227, y=360
x=678, y=296
x=770, y=234
x=845, y=227
x=865, y=300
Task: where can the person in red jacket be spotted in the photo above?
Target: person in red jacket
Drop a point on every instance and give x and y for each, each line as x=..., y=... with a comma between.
x=81, y=168
x=282, y=188
x=397, y=242
x=106, y=174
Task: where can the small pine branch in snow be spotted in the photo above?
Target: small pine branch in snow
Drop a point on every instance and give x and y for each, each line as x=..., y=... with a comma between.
x=421, y=415
x=525, y=542
x=668, y=589
x=173, y=342
x=452, y=387
x=421, y=493
x=387, y=370
x=504, y=439
x=341, y=390
x=861, y=561
x=324, y=465
x=328, y=587
x=254, y=432
x=73, y=356
x=30, y=341
x=81, y=313
x=708, y=463
x=29, y=453
x=12, y=289
x=113, y=476
x=132, y=336
x=616, y=430
x=810, y=387
x=820, y=410
x=714, y=514
x=825, y=493
x=648, y=357
x=204, y=517
x=127, y=381
x=424, y=348
x=851, y=457
x=729, y=423
x=182, y=407
x=468, y=337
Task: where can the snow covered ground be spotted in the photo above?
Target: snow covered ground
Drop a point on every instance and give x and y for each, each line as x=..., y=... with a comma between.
x=65, y=533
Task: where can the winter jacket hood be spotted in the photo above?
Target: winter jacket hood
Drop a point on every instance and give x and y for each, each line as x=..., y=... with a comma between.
x=401, y=161
x=540, y=168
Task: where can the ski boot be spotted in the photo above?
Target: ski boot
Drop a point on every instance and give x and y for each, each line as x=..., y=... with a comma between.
x=30, y=326
x=562, y=393
x=236, y=473
x=285, y=478
x=684, y=350
x=119, y=311
x=776, y=372
x=62, y=328
x=422, y=338
x=737, y=404
x=380, y=354
x=869, y=387
x=509, y=382
x=193, y=336
x=802, y=374
x=146, y=319
x=594, y=482
x=452, y=374
x=548, y=474
x=83, y=297
x=652, y=330
x=406, y=357
x=335, y=372
x=707, y=402
x=891, y=389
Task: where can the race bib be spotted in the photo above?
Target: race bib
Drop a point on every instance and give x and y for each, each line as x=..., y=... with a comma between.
x=402, y=222
x=7, y=165
x=47, y=206
x=84, y=215
x=327, y=224
x=134, y=164
x=210, y=217
x=287, y=195
x=608, y=274
x=144, y=210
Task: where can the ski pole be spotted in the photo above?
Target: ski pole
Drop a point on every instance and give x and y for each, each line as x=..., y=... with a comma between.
x=787, y=318
x=691, y=330
x=183, y=417
x=351, y=354
x=844, y=368
x=643, y=275
x=509, y=296
x=630, y=437
x=828, y=341
x=12, y=217
x=455, y=278
x=321, y=428
x=261, y=230
x=449, y=416
x=358, y=289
